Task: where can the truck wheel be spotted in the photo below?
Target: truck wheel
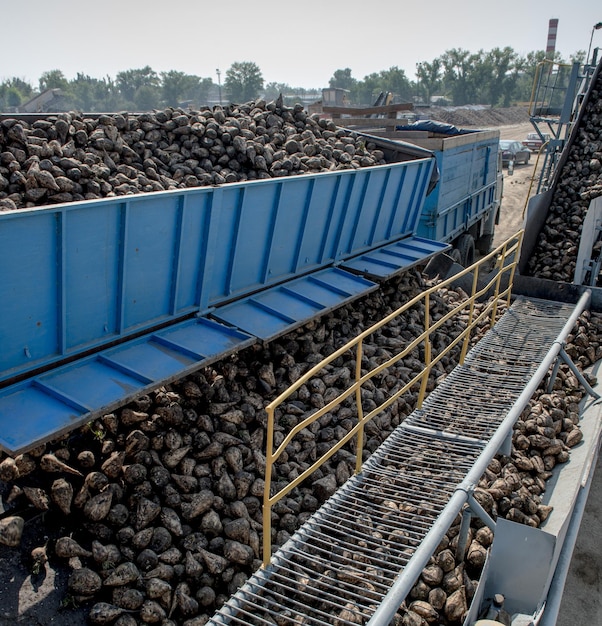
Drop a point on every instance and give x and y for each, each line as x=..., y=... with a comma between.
x=466, y=249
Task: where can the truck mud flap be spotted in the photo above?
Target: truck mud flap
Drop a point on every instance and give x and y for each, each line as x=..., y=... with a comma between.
x=396, y=257
x=278, y=310
x=40, y=409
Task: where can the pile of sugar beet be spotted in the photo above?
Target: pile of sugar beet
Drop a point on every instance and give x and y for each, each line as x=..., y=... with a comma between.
x=579, y=182
x=69, y=157
x=155, y=509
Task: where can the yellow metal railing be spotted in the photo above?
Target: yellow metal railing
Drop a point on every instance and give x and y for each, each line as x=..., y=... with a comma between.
x=496, y=289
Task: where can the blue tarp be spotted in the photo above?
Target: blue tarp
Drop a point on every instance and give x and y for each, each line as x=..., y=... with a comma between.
x=432, y=126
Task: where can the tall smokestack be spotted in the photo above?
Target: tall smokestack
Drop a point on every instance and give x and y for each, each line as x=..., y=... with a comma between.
x=551, y=46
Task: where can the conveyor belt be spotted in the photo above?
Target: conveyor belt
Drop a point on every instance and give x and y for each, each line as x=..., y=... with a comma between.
x=341, y=565
x=475, y=398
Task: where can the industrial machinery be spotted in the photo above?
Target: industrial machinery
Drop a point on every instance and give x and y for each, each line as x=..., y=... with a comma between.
x=226, y=266
x=97, y=313
x=356, y=562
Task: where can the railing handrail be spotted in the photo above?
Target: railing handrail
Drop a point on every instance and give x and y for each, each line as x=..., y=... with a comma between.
x=506, y=257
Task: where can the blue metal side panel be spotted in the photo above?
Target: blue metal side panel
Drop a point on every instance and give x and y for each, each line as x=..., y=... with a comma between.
x=91, y=285
x=325, y=210
x=79, y=276
x=46, y=406
x=30, y=315
x=194, y=246
x=163, y=248
x=396, y=257
x=151, y=232
x=385, y=204
x=278, y=310
x=270, y=231
x=465, y=172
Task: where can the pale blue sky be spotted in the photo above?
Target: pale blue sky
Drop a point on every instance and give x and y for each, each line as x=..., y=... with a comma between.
x=300, y=43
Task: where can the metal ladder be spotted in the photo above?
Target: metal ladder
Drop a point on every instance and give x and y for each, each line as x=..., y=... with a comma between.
x=359, y=555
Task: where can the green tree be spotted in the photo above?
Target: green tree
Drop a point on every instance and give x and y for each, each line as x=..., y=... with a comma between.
x=13, y=92
x=178, y=87
x=497, y=77
x=24, y=88
x=243, y=82
x=82, y=90
x=13, y=97
x=107, y=95
x=54, y=79
x=366, y=91
x=458, y=67
x=94, y=95
x=428, y=77
x=147, y=98
x=130, y=81
x=273, y=90
x=396, y=81
x=342, y=79
x=526, y=69
x=204, y=89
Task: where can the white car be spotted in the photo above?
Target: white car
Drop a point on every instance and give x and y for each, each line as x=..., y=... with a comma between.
x=534, y=141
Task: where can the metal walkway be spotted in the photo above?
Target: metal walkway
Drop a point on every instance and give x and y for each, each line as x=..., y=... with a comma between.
x=359, y=555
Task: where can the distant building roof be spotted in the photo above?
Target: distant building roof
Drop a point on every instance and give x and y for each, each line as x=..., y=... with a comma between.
x=47, y=101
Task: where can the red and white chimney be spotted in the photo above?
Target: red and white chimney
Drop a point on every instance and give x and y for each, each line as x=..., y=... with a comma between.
x=551, y=45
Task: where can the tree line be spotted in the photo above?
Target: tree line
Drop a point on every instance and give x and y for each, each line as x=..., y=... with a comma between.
x=499, y=77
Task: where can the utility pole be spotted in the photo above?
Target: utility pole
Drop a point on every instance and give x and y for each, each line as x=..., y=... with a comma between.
x=595, y=27
x=219, y=84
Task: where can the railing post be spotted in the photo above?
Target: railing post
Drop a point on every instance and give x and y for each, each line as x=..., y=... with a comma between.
x=427, y=349
x=360, y=408
x=466, y=342
x=267, y=505
x=355, y=388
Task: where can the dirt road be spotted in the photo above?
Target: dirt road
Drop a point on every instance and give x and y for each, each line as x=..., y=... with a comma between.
x=518, y=187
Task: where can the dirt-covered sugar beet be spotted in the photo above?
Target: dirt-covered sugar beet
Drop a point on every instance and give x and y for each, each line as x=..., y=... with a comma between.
x=70, y=157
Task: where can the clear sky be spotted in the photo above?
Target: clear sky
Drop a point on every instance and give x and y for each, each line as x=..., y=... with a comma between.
x=300, y=43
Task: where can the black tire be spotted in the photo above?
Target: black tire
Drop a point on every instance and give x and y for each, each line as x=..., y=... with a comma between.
x=466, y=249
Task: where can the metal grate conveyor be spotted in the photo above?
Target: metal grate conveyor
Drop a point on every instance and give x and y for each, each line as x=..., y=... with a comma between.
x=364, y=548
x=476, y=397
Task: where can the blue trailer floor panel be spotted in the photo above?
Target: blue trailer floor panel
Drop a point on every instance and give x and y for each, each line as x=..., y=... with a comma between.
x=46, y=406
x=396, y=257
x=280, y=309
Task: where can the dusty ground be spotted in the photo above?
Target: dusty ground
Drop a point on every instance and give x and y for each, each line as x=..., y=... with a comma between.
x=518, y=187
x=40, y=599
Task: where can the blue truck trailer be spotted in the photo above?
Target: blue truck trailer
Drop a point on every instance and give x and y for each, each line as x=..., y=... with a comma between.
x=107, y=299
x=465, y=206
